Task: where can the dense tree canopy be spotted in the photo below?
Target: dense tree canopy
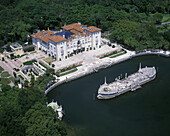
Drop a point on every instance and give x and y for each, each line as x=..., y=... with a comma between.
x=23, y=112
x=139, y=36
x=41, y=121
x=19, y=18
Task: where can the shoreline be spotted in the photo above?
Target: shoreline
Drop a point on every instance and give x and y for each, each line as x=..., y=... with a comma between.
x=107, y=63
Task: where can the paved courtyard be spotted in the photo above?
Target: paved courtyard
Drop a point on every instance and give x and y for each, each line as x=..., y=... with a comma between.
x=37, y=54
x=86, y=57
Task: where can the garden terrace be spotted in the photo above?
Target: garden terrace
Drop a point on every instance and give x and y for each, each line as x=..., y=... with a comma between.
x=5, y=74
x=4, y=81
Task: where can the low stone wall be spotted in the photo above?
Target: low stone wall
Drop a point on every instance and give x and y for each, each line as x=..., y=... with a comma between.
x=65, y=67
x=67, y=80
x=150, y=53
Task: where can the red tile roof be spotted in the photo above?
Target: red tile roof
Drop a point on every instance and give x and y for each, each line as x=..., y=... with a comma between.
x=69, y=40
x=43, y=35
x=76, y=28
x=71, y=26
x=46, y=35
x=57, y=38
x=93, y=29
x=80, y=28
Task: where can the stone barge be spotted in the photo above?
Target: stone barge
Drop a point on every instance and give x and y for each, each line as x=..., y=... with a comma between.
x=129, y=83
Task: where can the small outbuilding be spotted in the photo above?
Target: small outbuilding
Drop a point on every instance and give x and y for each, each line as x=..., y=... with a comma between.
x=17, y=49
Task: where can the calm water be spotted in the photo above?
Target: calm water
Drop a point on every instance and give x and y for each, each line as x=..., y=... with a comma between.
x=145, y=112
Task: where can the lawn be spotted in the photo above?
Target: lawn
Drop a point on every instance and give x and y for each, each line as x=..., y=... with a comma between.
x=1, y=69
x=48, y=60
x=5, y=74
x=33, y=52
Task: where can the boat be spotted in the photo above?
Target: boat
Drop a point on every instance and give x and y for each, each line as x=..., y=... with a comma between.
x=129, y=83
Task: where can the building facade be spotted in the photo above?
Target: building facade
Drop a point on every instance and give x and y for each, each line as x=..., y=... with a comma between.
x=72, y=39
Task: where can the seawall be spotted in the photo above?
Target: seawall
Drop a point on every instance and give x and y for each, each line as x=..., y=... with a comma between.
x=89, y=71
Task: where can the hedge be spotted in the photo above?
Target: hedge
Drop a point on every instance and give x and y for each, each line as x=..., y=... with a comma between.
x=66, y=73
x=28, y=49
x=29, y=62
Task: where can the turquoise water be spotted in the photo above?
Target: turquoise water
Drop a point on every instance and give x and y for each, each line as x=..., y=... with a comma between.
x=145, y=112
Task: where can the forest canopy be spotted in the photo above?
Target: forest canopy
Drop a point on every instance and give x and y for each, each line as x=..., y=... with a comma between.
x=19, y=18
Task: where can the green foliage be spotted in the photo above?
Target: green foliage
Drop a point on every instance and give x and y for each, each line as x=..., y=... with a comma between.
x=10, y=113
x=5, y=74
x=157, y=18
x=8, y=48
x=111, y=54
x=43, y=65
x=16, y=69
x=118, y=55
x=26, y=83
x=29, y=62
x=166, y=18
x=21, y=77
x=50, y=71
x=32, y=80
x=66, y=72
x=4, y=81
x=28, y=49
x=138, y=36
x=22, y=17
x=40, y=120
x=1, y=69
x=23, y=112
x=15, y=75
x=1, y=50
x=5, y=87
x=43, y=80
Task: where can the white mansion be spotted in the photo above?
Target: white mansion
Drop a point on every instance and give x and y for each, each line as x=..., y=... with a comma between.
x=72, y=39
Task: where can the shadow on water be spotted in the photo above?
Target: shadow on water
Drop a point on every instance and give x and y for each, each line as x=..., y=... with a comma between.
x=143, y=112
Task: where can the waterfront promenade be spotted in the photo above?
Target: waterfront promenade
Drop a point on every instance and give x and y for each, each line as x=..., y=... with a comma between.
x=92, y=64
